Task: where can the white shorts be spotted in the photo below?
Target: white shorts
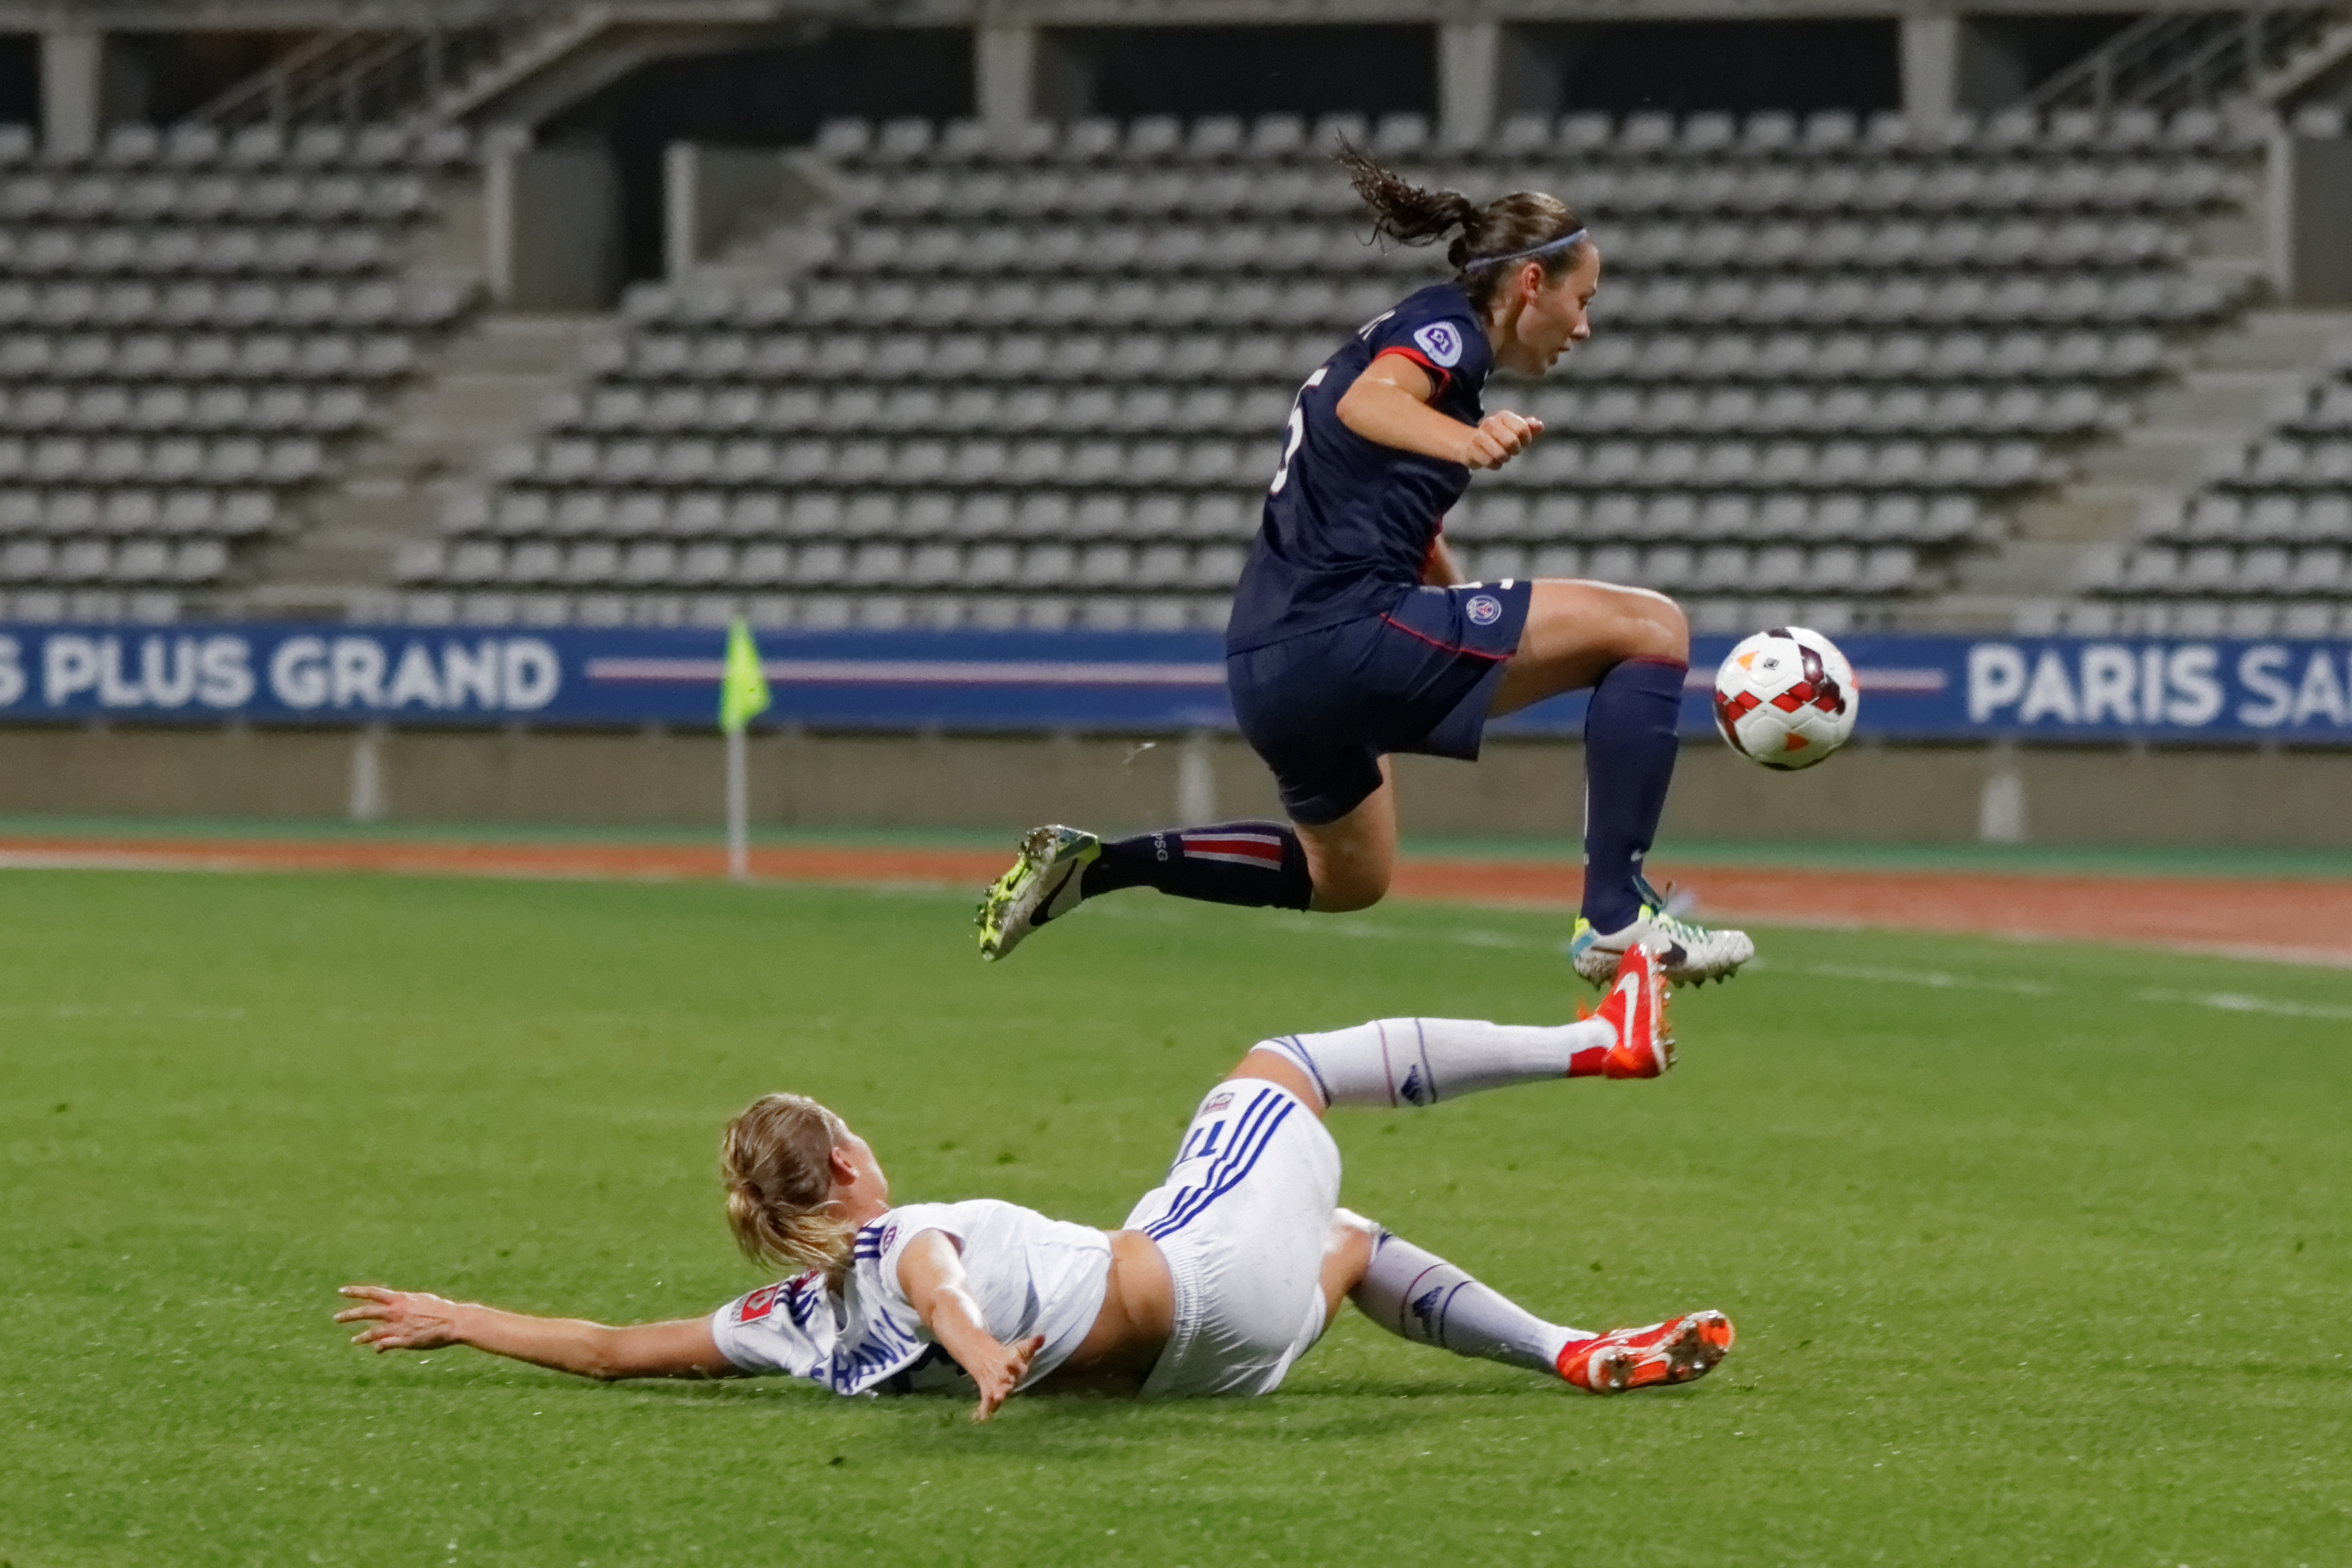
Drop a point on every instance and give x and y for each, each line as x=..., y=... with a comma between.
x=1242, y=1219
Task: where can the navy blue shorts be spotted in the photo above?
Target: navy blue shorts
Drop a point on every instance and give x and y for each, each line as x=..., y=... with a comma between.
x=1323, y=707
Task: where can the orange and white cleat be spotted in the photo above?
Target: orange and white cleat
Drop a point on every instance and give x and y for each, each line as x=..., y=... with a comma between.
x=1636, y=1008
x=1676, y=1351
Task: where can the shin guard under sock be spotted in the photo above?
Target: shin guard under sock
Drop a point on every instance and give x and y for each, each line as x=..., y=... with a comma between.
x=1630, y=743
x=1424, y=1298
x=1260, y=864
x=1418, y=1061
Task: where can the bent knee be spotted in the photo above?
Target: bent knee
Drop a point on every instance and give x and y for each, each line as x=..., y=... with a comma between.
x=1665, y=631
x=1349, y=1245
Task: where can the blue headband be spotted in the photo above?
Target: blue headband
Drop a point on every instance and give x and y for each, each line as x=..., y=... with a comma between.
x=1551, y=244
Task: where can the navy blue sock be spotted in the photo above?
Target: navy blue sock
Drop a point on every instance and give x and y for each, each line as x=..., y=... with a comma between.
x=1261, y=864
x=1629, y=759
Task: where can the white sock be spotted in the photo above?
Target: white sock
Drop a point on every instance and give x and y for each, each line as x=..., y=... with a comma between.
x=1418, y=1061
x=1428, y=1301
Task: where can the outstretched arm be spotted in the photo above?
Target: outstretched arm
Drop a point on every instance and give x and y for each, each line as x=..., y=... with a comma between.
x=931, y=1271
x=412, y=1319
x=1388, y=403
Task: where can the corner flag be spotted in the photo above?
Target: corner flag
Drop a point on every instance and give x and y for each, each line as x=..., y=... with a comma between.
x=743, y=689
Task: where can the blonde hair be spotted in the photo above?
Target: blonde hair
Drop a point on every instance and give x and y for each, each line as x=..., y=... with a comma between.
x=778, y=1184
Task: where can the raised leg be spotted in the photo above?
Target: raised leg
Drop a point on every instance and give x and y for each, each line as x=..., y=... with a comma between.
x=1331, y=866
x=1632, y=648
x=1417, y=1062
x=1576, y=631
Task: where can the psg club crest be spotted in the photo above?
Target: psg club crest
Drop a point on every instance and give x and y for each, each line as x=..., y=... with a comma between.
x=1442, y=342
x=1484, y=611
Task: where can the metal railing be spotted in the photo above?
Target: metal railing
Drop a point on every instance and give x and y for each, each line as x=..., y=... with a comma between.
x=364, y=76
x=2173, y=59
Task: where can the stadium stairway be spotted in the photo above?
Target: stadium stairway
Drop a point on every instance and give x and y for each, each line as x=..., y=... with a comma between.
x=2217, y=398
x=476, y=383
x=483, y=386
x=485, y=65
x=781, y=238
x=2216, y=405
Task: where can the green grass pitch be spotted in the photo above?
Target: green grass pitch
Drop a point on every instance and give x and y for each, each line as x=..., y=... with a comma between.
x=2038, y=1255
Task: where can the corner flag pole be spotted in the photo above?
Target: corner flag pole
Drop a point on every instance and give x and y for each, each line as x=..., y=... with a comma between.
x=742, y=697
x=739, y=825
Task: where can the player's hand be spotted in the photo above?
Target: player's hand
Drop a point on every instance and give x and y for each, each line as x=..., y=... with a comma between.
x=997, y=1375
x=401, y=1319
x=1500, y=438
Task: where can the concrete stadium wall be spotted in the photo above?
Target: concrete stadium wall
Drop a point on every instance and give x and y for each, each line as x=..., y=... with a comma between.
x=2104, y=795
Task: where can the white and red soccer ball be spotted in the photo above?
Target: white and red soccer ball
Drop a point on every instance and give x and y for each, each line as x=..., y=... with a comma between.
x=1785, y=698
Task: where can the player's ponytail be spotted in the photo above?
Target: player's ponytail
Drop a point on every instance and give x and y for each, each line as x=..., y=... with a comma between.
x=1523, y=225
x=778, y=1183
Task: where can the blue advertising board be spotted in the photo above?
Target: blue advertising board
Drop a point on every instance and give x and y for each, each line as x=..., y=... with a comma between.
x=1916, y=687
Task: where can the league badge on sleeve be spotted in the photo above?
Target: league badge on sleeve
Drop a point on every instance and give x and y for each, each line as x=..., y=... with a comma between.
x=1442, y=341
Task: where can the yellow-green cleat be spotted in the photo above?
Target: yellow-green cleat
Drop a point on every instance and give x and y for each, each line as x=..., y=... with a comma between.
x=1042, y=885
x=1688, y=953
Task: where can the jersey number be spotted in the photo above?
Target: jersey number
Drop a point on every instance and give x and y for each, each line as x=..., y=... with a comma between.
x=1297, y=433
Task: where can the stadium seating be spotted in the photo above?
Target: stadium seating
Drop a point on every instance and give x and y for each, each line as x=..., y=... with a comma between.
x=188, y=324
x=2263, y=547
x=1038, y=378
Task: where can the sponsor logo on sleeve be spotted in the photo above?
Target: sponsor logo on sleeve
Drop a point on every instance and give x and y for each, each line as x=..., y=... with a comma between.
x=1217, y=1102
x=1442, y=341
x=1484, y=610
x=759, y=1303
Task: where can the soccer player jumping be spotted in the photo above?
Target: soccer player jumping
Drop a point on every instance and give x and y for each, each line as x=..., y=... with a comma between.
x=1353, y=634
x=1222, y=1277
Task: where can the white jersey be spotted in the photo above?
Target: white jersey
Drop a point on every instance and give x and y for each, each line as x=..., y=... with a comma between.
x=1031, y=1275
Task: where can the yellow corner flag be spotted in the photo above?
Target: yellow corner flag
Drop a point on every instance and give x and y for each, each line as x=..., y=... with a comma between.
x=743, y=689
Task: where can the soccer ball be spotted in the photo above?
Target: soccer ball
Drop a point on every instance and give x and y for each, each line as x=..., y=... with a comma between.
x=1785, y=698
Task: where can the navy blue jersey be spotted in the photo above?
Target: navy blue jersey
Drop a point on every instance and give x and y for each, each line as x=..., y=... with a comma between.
x=1348, y=522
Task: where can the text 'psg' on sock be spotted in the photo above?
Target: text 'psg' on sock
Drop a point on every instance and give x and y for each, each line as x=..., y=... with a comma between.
x=1630, y=745
x=1417, y=1062
x=1424, y=1298
x=1259, y=865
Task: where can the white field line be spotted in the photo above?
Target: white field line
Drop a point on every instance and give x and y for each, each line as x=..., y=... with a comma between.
x=229, y=862
x=2236, y=1002
x=156, y=860
x=120, y=860
x=1301, y=924
x=1933, y=980
x=1929, y=980
x=232, y=863
x=2307, y=957
x=2249, y=952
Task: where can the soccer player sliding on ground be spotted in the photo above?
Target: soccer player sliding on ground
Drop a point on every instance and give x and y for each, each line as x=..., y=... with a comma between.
x=1353, y=636
x=1223, y=1276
